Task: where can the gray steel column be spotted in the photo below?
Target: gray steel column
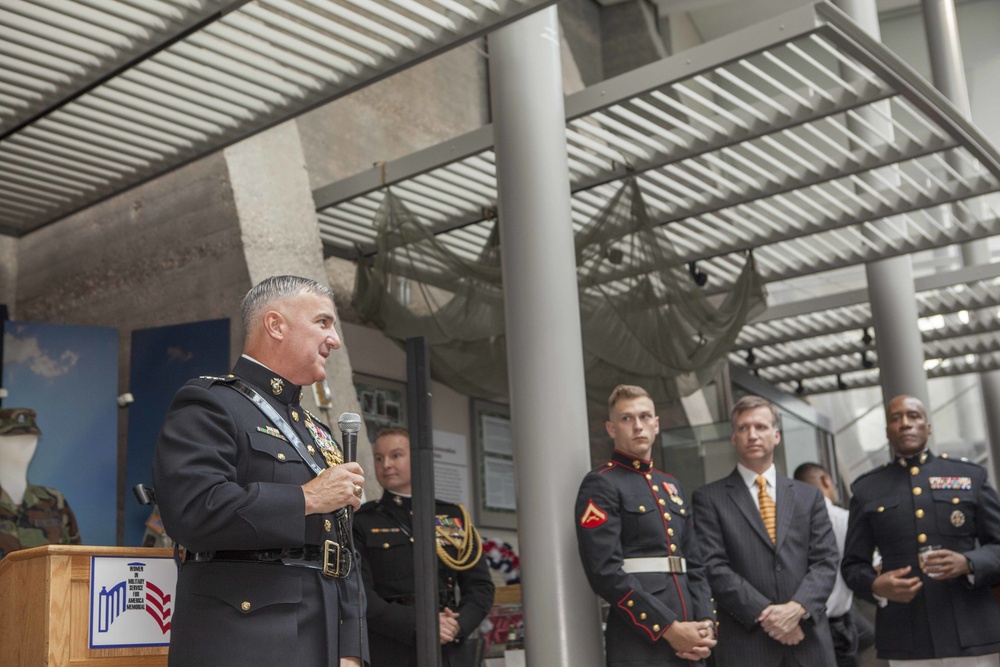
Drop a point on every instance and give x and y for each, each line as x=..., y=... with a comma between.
x=544, y=347
x=948, y=71
x=890, y=281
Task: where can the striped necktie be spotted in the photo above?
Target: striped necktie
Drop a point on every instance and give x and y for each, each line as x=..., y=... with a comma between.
x=767, y=509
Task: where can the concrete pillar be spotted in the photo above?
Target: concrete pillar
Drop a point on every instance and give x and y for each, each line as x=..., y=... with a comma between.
x=890, y=281
x=544, y=346
x=280, y=235
x=8, y=273
x=948, y=72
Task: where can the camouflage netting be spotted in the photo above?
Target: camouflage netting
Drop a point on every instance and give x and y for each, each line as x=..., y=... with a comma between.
x=644, y=320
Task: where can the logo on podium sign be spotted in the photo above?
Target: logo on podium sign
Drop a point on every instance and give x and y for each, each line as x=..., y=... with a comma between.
x=131, y=601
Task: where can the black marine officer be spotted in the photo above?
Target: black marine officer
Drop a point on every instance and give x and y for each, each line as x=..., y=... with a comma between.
x=256, y=489
x=936, y=523
x=383, y=534
x=639, y=548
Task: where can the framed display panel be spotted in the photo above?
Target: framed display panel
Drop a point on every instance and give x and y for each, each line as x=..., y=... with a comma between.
x=493, y=453
x=383, y=403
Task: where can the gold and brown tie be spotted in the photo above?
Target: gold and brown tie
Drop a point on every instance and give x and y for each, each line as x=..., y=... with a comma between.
x=767, y=509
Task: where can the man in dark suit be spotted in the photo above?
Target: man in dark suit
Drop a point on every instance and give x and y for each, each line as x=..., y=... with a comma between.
x=383, y=532
x=256, y=489
x=639, y=549
x=770, y=553
x=935, y=521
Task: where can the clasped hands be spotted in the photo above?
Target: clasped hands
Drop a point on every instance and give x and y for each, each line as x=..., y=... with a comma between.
x=692, y=640
x=781, y=622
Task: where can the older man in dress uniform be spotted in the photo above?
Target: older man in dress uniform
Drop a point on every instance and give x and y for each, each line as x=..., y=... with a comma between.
x=384, y=534
x=936, y=523
x=639, y=549
x=256, y=489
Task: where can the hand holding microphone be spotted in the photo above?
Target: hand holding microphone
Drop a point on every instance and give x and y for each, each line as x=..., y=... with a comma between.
x=343, y=485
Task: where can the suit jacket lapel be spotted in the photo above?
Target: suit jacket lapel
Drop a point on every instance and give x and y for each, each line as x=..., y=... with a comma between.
x=740, y=495
x=785, y=503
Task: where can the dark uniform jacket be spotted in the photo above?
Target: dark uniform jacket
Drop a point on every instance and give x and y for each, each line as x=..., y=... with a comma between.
x=382, y=532
x=227, y=481
x=748, y=572
x=628, y=509
x=925, y=501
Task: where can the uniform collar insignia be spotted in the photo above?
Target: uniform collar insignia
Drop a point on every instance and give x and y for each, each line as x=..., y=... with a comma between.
x=267, y=382
x=916, y=460
x=631, y=462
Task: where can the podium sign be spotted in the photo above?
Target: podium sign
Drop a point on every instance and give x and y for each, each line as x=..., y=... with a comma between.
x=131, y=601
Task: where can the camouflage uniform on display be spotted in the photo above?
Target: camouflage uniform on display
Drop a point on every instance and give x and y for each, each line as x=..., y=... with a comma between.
x=44, y=516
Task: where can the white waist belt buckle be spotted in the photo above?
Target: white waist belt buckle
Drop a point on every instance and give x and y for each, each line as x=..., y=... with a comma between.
x=669, y=564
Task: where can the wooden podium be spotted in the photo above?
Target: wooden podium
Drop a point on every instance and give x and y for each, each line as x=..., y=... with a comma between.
x=45, y=610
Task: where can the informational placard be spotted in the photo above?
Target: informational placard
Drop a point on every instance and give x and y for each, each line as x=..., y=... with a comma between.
x=498, y=480
x=493, y=449
x=131, y=601
x=451, y=467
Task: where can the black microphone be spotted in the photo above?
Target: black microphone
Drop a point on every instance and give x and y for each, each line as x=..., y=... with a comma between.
x=349, y=424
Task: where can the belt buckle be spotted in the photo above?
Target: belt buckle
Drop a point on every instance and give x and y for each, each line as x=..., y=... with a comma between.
x=331, y=569
x=678, y=564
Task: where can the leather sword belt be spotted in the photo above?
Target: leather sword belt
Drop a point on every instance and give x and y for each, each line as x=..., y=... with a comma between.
x=669, y=564
x=329, y=558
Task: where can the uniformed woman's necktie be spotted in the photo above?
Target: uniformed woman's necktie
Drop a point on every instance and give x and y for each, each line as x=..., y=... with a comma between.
x=767, y=509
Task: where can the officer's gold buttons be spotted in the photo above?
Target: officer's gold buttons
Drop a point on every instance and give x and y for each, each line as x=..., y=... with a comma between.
x=245, y=606
x=642, y=616
x=411, y=540
x=385, y=545
x=611, y=464
x=945, y=455
x=648, y=476
x=917, y=490
x=914, y=470
x=630, y=603
x=955, y=501
x=327, y=526
x=920, y=514
x=673, y=548
x=656, y=628
x=881, y=508
x=642, y=508
x=921, y=538
x=666, y=515
x=295, y=415
x=281, y=456
x=670, y=532
x=662, y=501
x=655, y=488
x=683, y=511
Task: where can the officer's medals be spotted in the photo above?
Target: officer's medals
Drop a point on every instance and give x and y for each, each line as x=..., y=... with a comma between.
x=449, y=530
x=327, y=447
x=957, y=519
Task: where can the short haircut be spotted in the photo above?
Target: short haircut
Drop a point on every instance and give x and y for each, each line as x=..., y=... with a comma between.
x=392, y=430
x=751, y=402
x=272, y=289
x=625, y=392
x=808, y=471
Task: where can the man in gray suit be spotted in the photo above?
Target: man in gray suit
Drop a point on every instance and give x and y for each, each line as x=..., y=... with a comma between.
x=770, y=553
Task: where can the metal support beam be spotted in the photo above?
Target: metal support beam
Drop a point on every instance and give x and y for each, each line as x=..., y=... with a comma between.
x=544, y=345
x=890, y=281
x=948, y=72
